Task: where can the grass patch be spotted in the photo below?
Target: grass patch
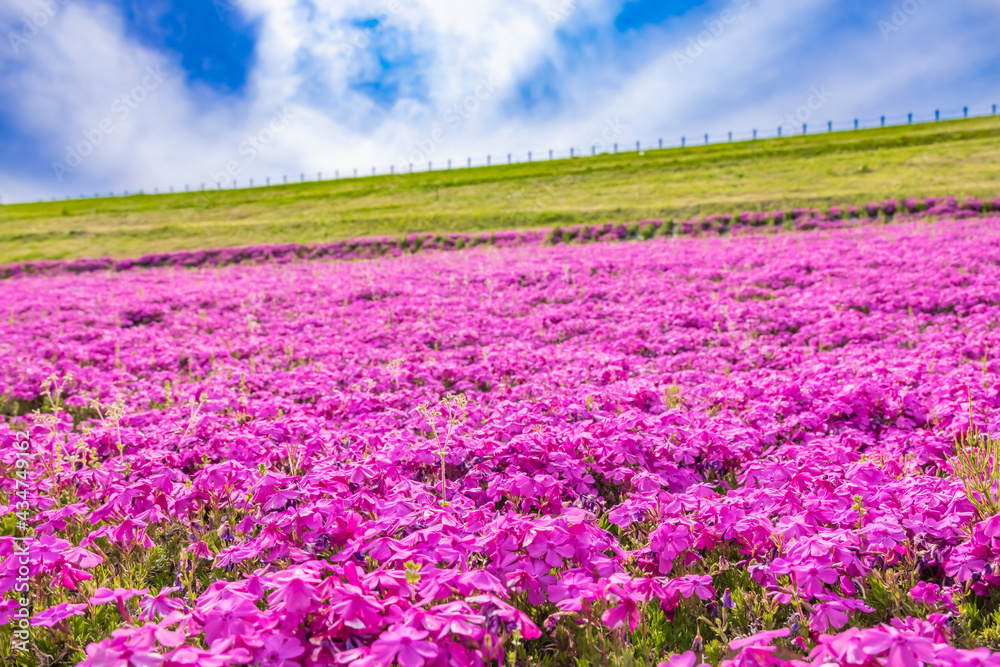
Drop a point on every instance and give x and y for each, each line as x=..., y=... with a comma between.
x=950, y=158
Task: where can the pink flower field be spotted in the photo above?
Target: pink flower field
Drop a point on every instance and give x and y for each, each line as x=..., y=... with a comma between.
x=739, y=450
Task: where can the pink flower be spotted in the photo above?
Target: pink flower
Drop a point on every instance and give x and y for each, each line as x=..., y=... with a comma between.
x=131, y=531
x=68, y=576
x=106, y=653
x=810, y=578
x=686, y=659
x=759, y=639
x=293, y=593
x=160, y=604
x=455, y=618
x=978, y=657
x=189, y=656
x=568, y=592
x=532, y=576
x=694, y=585
x=105, y=595
x=355, y=609
x=278, y=651
x=233, y=615
x=48, y=549
x=925, y=592
x=59, y=612
x=127, y=646
x=756, y=656
x=625, y=610
x=499, y=613
x=119, y=596
x=667, y=542
x=826, y=615
x=480, y=580
x=551, y=546
x=405, y=644
x=201, y=550
x=8, y=607
x=903, y=650
x=990, y=527
x=82, y=558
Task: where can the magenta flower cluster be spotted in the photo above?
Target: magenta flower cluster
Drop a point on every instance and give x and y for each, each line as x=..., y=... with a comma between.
x=455, y=459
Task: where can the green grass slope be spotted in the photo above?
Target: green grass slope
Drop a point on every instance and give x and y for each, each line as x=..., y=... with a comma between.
x=948, y=158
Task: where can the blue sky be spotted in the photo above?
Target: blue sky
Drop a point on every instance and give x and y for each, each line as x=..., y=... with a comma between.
x=113, y=95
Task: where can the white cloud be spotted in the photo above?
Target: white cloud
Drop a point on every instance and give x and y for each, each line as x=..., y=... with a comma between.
x=756, y=70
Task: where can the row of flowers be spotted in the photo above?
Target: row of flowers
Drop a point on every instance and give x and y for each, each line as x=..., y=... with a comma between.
x=368, y=248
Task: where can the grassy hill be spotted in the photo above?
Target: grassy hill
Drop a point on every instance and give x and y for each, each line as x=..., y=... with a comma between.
x=948, y=158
